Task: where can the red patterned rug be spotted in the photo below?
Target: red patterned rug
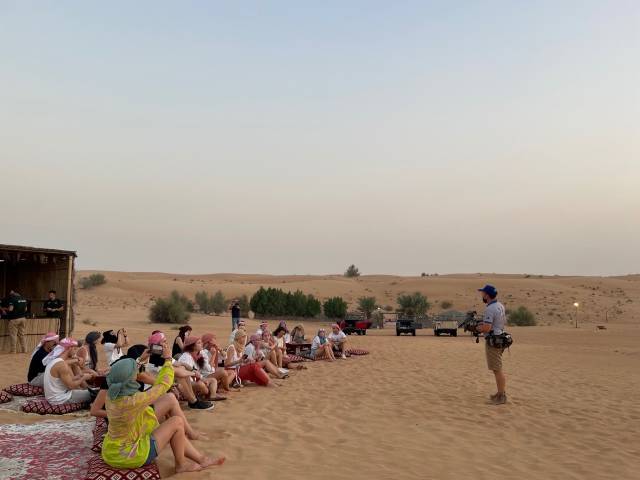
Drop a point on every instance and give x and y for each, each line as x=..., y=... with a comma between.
x=51, y=450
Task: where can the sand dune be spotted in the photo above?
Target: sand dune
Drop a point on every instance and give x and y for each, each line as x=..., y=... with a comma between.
x=416, y=407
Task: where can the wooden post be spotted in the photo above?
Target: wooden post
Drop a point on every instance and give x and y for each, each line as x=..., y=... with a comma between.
x=67, y=329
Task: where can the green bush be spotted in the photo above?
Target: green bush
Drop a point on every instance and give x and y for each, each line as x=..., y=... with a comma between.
x=243, y=301
x=388, y=308
x=216, y=303
x=335, y=307
x=352, y=271
x=276, y=302
x=93, y=280
x=413, y=304
x=522, y=317
x=173, y=309
x=446, y=304
x=367, y=305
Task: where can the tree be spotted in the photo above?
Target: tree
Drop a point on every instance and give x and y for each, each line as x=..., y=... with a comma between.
x=413, y=304
x=172, y=309
x=218, y=303
x=276, y=302
x=243, y=301
x=335, y=307
x=522, y=317
x=203, y=300
x=367, y=305
x=352, y=271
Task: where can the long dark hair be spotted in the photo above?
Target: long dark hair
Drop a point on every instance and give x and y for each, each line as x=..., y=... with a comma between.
x=90, y=340
x=182, y=331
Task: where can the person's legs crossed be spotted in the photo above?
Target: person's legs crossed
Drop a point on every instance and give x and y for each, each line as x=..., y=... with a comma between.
x=38, y=381
x=168, y=406
x=79, y=396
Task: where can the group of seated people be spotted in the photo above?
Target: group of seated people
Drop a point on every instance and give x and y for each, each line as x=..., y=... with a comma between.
x=131, y=392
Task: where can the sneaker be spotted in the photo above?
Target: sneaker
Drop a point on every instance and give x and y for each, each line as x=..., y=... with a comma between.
x=499, y=399
x=283, y=371
x=201, y=405
x=344, y=357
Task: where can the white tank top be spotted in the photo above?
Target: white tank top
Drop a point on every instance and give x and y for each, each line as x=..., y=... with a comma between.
x=55, y=391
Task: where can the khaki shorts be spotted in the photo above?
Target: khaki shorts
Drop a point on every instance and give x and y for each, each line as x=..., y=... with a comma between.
x=494, y=357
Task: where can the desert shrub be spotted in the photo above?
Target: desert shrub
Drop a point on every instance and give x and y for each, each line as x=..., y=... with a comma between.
x=335, y=307
x=203, y=301
x=352, y=271
x=93, y=280
x=216, y=303
x=446, y=304
x=388, y=308
x=522, y=317
x=413, y=303
x=172, y=309
x=243, y=301
x=276, y=302
x=367, y=305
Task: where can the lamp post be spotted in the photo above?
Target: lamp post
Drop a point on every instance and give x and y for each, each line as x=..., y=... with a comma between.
x=577, y=305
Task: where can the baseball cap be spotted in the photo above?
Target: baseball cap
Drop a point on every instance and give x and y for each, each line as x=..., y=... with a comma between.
x=489, y=290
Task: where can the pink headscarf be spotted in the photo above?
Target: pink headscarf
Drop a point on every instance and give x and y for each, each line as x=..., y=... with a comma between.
x=64, y=345
x=157, y=338
x=48, y=337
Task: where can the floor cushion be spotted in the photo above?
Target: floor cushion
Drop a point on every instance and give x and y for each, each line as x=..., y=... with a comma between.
x=98, y=470
x=5, y=397
x=24, y=390
x=357, y=351
x=99, y=431
x=43, y=407
x=294, y=358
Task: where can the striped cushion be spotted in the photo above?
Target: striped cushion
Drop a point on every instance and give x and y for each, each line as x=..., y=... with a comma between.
x=294, y=358
x=24, y=390
x=98, y=470
x=5, y=397
x=99, y=431
x=42, y=407
x=357, y=351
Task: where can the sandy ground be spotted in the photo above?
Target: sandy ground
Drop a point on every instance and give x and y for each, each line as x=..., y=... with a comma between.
x=416, y=407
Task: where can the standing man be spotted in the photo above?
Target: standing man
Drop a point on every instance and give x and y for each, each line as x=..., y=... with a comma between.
x=235, y=314
x=15, y=308
x=493, y=323
x=53, y=306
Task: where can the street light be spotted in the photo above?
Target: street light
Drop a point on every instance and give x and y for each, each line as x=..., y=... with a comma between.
x=577, y=305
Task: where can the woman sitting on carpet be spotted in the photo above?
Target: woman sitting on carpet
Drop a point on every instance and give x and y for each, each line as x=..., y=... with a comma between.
x=280, y=345
x=193, y=361
x=321, y=347
x=254, y=353
x=88, y=353
x=212, y=357
x=113, y=344
x=239, y=362
x=297, y=334
x=135, y=438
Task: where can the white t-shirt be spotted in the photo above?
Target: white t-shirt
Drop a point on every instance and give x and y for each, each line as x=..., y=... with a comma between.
x=337, y=337
x=287, y=338
x=112, y=353
x=316, y=343
x=187, y=359
x=208, y=369
x=252, y=354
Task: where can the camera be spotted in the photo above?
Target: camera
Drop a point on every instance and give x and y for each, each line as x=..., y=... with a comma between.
x=156, y=349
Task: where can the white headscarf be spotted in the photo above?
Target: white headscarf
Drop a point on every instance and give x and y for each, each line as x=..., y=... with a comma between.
x=48, y=337
x=64, y=345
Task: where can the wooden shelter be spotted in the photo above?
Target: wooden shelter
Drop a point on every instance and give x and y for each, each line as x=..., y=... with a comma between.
x=32, y=272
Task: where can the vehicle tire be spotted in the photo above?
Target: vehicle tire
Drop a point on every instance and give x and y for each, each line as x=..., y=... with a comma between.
x=397, y=333
x=413, y=333
x=436, y=333
x=454, y=333
x=364, y=332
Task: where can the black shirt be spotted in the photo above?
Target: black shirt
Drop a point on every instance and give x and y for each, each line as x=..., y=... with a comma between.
x=36, y=366
x=235, y=311
x=55, y=303
x=19, y=307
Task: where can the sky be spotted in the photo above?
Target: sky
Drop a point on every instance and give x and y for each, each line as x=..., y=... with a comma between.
x=300, y=137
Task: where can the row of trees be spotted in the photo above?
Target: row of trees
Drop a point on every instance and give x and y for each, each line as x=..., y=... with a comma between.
x=277, y=302
x=218, y=303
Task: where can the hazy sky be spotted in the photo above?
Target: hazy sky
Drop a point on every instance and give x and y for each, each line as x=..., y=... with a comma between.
x=300, y=137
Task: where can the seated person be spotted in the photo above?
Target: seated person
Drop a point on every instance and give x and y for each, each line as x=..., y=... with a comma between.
x=321, y=348
x=152, y=362
x=178, y=342
x=60, y=384
x=338, y=340
x=88, y=353
x=241, y=326
x=268, y=345
x=212, y=356
x=297, y=334
x=113, y=344
x=287, y=335
x=254, y=353
x=135, y=437
x=280, y=348
x=35, y=376
x=244, y=369
x=264, y=327
x=192, y=361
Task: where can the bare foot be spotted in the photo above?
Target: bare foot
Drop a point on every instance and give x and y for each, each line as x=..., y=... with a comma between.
x=197, y=436
x=188, y=467
x=212, y=462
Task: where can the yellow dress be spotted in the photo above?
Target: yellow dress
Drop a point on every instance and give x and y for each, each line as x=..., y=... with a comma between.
x=131, y=422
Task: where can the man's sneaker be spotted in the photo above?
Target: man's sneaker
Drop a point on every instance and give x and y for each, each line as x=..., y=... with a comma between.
x=499, y=399
x=283, y=371
x=201, y=405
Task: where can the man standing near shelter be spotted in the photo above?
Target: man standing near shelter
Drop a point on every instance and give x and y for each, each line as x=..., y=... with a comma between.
x=53, y=306
x=15, y=309
x=493, y=323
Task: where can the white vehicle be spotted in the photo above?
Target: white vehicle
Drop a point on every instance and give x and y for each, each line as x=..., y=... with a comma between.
x=448, y=326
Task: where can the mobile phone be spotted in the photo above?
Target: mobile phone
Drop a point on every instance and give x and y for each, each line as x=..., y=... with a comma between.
x=157, y=349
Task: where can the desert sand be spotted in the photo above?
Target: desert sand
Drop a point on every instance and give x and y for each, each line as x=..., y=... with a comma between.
x=416, y=407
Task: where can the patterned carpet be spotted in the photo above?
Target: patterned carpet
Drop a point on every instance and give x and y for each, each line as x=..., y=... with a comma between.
x=46, y=450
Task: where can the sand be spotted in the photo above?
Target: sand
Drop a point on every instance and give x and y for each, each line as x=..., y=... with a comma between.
x=416, y=407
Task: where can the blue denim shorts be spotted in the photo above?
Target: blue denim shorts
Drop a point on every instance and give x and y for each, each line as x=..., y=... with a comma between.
x=153, y=451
